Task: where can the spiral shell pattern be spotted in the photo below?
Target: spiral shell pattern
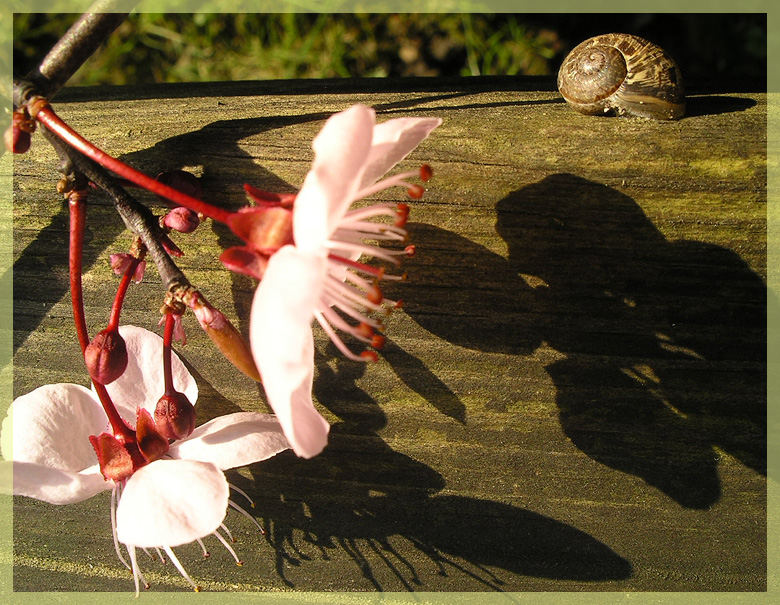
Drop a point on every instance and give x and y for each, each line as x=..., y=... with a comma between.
x=624, y=74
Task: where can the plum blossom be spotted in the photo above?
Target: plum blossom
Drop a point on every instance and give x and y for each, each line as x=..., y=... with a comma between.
x=176, y=499
x=317, y=275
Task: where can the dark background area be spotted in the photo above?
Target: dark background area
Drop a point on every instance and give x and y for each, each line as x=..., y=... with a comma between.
x=180, y=47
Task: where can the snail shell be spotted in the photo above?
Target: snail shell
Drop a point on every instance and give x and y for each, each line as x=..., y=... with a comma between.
x=624, y=74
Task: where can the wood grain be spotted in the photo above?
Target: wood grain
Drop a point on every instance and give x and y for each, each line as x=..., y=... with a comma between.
x=573, y=397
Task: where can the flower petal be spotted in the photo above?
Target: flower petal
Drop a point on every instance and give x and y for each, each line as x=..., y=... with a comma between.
x=142, y=383
x=52, y=425
x=391, y=142
x=233, y=440
x=171, y=502
x=329, y=188
x=283, y=346
x=57, y=486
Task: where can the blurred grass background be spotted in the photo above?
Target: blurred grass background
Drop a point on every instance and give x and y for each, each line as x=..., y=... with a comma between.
x=213, y=47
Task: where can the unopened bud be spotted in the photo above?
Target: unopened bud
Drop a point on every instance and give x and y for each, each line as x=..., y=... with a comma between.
x=174, y=416
x=181, y=219
x=225, y=336
x=106, y=356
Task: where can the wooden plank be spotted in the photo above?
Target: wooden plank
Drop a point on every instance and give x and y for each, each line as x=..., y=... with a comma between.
x=573, y=397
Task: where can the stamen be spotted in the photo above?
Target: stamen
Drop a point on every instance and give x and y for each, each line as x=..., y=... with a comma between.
x=367, y=229
x=335, y=338
x=371, y=270
x=395, y=180
x=236, y=507
x=227, y=531
x=374, y=294
x=239, y=562
x=137, y=575
x=335, y=320
x=235, y=488
x=354, y=313
x=206, y=554
x=113, y=526
x=178, y=565
x=378, y=341
x=368, y=250
x=346, y=295
x=415, y=191
x=402, y=212
x=371, y=211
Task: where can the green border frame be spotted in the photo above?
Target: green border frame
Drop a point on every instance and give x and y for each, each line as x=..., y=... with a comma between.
x=474, y=6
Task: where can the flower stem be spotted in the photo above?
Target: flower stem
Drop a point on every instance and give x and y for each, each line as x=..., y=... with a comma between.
x=116, y=308
x=77, y=206
x=167, y=339
x=118, y=426
x=43, y=112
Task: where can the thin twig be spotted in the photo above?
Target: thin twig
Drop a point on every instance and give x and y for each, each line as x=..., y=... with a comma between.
x=137, y=217
x=76, y=46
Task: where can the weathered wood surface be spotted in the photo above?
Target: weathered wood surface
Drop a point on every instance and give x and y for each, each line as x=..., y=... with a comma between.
x=572, y=399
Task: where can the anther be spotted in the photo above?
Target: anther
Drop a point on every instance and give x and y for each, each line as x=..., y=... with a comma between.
x=378, y=341
x=374, y=295
x=415, y=191
x=426, y=172
x=410, y=250
x=365, y=330
x=402, y=215
x=369, y=355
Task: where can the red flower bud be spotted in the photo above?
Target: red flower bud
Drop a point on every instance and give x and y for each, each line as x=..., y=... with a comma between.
x=182, y=219
x=106, y=356
x=174, y=416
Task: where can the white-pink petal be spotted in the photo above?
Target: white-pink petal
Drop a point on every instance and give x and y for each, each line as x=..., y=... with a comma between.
x=142, y=383
x=233, y=440
x=283, y=346
x=329, y=188
x=391, y=142
x=171, y=502
x=57, y=486
x=52, y=425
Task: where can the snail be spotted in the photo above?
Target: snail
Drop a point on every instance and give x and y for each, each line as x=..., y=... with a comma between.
x=623, y=74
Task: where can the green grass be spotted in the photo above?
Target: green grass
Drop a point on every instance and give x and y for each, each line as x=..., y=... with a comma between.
x=213, y=47
x=200, y=47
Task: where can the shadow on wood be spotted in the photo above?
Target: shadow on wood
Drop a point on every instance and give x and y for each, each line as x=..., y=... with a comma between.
x=650, y=328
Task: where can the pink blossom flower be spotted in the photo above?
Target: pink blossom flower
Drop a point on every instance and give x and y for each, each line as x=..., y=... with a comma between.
x=318, y=276
x=177, y=499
